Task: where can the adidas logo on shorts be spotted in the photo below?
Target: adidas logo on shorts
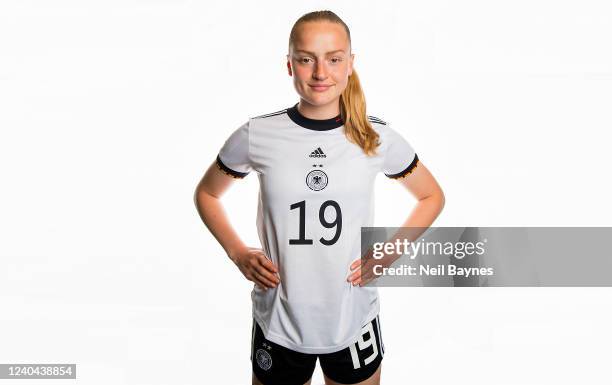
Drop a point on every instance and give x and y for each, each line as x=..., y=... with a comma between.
x=318, y=153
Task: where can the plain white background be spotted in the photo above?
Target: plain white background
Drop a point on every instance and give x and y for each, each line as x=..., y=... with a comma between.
x=110, y=112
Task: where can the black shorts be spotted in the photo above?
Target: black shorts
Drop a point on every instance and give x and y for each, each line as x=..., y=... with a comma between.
x=274, y=364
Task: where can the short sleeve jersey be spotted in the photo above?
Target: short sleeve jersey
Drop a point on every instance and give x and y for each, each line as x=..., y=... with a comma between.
x=315, y=193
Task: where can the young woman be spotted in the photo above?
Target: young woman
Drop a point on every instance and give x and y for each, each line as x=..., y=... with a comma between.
x=316, y=162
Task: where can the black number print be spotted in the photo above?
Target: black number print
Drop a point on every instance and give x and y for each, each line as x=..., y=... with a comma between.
x=302, y=239
x=337, y=223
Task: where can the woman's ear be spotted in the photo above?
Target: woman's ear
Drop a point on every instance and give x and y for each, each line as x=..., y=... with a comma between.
x=289, y=66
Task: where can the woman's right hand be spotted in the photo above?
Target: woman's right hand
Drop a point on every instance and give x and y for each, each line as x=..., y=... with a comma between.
x=256, y=267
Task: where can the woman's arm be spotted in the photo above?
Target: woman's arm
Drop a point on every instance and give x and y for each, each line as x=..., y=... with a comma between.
x=424, y=187
x=252, y=262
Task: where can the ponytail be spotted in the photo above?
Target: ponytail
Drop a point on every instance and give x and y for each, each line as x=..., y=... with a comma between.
x=357, y=127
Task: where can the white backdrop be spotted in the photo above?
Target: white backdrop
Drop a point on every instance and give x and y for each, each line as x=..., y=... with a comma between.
x=110, y=112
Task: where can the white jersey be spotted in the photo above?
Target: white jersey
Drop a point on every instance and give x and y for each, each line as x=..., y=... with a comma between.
x=316, y=192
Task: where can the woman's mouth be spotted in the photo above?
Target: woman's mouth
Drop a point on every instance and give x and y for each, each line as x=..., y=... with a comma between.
x=319, y=87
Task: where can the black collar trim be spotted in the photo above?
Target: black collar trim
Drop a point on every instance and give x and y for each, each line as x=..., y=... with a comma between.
x=313, y=124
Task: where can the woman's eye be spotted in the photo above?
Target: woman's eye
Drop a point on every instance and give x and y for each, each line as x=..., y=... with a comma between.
x=304, y=59
x=336, y=60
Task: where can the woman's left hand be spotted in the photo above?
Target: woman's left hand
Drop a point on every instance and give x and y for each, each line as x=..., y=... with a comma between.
x=362, y=269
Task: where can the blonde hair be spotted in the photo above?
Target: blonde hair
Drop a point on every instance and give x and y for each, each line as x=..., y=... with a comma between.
x=357, y=127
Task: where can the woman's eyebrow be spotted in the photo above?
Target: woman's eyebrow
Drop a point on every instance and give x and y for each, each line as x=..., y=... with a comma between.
x=312, y=53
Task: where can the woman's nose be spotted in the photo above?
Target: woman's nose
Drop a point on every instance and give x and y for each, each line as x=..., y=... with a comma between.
x=320, y=71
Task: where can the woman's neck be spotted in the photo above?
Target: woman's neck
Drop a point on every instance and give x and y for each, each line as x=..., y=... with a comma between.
x=328, y=111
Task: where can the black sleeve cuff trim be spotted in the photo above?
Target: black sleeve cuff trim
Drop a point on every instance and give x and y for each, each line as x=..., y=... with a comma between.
x=405, y=171
x=229, y=171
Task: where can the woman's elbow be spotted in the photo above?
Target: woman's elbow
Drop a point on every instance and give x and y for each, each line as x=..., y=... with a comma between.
x=441, y=200
x=437, y=199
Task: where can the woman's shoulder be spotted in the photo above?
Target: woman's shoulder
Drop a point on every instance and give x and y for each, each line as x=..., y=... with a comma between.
x=380, y=125
x=385, y=128
x=376, y=120
x=270, y=114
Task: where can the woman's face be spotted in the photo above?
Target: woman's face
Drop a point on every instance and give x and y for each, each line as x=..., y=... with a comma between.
x=320, y=62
